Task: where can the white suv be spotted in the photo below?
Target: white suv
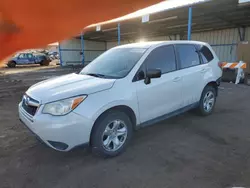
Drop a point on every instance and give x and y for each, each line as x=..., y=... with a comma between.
x=125, y=88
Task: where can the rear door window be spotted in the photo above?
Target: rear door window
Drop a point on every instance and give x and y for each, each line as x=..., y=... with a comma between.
x=30, y=56
x=188, y=55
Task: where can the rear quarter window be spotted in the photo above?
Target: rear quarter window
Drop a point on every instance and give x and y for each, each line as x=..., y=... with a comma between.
x=206, y=54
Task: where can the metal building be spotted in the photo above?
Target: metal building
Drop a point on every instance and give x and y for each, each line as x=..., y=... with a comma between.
x=221, y=23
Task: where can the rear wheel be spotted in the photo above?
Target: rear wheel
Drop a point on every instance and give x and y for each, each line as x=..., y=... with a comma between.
x=111, y=134
x=11, y=64
x=207, y=101
x=45, y=63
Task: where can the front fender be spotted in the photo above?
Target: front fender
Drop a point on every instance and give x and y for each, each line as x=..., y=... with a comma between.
x=97, y=103
x=115, y=104
x=14, y=59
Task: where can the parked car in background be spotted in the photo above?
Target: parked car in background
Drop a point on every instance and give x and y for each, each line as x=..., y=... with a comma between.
x=28, y=58
x=125, y=88
x=46, y=52
x=53, y=55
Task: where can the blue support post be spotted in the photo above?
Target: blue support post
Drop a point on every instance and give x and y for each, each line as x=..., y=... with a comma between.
x=190, y=12
x=60, y=54
x=119, y=33
x=82, y=46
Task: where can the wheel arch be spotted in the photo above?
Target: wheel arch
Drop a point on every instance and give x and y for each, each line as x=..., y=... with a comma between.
x=200, y=108
x=12, y=61
x=214, y=85
x=121, y=108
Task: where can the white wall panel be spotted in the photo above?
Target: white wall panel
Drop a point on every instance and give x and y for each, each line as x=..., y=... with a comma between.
x=93, y=49
x=71, y=44
x=158, y=38
x=70, y=51
x=163, y=38
x=94, y=45
x=224, y=42
x=114, y=44
x=111, y=45
x=227, y=36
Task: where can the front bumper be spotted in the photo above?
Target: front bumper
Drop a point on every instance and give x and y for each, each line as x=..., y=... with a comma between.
x=61, y=133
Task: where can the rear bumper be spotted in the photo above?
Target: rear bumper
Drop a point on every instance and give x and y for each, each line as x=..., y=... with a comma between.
x=218, y=81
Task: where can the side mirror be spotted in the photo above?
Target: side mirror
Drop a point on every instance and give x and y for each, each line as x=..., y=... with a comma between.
x=152, y=73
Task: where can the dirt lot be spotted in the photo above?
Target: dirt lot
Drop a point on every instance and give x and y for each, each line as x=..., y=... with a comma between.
x=185, y=151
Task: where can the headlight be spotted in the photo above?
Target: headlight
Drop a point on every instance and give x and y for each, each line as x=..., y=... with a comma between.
x=63, y=107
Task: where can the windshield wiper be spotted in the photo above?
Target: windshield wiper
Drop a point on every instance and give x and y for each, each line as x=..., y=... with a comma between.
x=96, y=75
x=100, y=75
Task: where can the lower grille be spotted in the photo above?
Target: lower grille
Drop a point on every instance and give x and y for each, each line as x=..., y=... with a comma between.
x=58, y=145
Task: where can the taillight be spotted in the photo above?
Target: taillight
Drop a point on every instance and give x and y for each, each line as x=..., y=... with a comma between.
x=221, y=64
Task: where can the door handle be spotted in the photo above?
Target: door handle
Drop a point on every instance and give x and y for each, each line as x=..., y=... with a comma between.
x=203, y=70
x=176, y=79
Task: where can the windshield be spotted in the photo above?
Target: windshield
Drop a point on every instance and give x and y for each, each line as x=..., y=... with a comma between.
x=16, y=55
x=115, y=63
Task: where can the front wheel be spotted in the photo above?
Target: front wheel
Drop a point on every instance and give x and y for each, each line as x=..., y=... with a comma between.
x=207, y=101
x=111, y=134
x=11, y=64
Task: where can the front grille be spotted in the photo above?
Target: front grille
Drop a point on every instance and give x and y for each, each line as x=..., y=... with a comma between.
x=31, y=109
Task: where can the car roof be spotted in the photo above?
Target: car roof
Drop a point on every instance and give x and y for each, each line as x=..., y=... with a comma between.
x=156, y=43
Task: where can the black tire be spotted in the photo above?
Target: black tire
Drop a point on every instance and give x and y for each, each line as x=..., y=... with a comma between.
x=11, y=64
x=202, y=110
x=97, y=135
x=45, y=63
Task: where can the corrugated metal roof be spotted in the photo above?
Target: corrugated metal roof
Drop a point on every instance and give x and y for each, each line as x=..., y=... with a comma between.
x=162, y=6
x=172, y=20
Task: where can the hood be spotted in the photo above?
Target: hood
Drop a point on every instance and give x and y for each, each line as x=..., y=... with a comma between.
x=13, y=59
x=68, y=86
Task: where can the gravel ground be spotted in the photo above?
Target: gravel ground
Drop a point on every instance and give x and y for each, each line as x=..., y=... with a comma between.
x=184, y=151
